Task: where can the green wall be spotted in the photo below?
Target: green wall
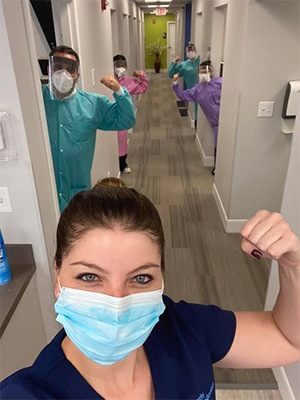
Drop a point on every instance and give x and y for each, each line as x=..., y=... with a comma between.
x=155, y=32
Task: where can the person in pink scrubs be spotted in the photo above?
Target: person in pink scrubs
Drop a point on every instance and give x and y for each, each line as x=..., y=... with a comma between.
x=137, y=84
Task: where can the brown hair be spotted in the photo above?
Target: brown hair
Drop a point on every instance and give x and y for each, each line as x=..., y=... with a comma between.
x=107, y=207
x=65, y=50
x=110, y=181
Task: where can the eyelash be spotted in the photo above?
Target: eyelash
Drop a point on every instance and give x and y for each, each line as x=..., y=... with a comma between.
x=150, y=278
x=81, y=277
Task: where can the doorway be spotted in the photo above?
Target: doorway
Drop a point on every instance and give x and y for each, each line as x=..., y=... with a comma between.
x=170, y=42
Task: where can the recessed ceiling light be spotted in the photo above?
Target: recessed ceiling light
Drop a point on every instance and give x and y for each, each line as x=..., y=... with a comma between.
x=157, y=1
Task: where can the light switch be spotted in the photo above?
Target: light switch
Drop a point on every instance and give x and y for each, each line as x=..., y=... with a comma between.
x=265, y=109
x=5, y=205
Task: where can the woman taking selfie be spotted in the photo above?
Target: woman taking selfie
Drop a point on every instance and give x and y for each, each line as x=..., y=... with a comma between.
x=122, y=338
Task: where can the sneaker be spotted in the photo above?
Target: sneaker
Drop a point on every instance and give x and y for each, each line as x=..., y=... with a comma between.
x=213, y=172
x=126, y=170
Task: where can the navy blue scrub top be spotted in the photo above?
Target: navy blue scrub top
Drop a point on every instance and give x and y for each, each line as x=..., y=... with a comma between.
x=181, y=349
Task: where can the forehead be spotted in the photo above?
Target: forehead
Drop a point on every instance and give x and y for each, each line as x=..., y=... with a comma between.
x=120, y=63
x=65, y=56
x=204, y=68
x=191, y=47
x=65, y=60
x=115, y=249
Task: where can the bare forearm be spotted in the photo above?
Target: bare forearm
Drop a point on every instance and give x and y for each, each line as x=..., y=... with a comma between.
x=286, y=311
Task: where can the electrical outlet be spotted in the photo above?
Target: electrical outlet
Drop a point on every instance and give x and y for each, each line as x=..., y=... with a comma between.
x=265, y=109
x=5, y=205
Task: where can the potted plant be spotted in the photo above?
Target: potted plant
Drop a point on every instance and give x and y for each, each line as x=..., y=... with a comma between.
x=156, y=48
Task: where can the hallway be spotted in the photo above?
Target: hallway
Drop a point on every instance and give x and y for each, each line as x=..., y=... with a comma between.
x=203, y=263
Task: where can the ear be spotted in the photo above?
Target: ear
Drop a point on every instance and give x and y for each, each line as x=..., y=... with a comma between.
x=56, y=285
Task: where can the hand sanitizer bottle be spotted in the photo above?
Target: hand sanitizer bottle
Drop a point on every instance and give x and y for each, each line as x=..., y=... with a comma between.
x=5, y=274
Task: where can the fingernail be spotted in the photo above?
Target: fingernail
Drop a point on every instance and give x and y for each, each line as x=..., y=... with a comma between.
x=256, y=253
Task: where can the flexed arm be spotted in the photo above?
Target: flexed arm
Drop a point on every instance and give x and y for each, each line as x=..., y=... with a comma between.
x=139, y=85
x=269, y=339
x=187, y=95
x=175, y=67
x=115, y=115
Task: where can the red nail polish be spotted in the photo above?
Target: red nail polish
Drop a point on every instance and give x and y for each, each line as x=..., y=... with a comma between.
x=256, y=253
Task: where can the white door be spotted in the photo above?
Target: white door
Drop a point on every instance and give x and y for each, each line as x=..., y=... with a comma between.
x=170, y=42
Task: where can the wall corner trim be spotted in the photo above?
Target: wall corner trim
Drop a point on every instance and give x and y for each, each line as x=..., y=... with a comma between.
x=283, y=384
x=207, y=161
x=230, y=226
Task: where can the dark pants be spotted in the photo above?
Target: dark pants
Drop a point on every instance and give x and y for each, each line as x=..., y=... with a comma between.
x=122, y=162
x=215, y=157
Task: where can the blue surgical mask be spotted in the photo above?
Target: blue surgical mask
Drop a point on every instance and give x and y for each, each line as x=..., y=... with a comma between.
x=105, y=328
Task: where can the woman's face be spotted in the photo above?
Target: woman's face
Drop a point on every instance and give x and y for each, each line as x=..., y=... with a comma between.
x=113, y=262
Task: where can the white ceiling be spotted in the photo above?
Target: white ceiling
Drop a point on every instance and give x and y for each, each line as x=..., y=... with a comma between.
x=174, y=5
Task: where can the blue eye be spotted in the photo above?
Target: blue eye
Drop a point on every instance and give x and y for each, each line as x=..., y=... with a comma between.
x=88, y=277
x=142, y=279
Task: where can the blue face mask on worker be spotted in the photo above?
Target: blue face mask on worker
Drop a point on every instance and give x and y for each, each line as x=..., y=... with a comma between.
x=105, y=328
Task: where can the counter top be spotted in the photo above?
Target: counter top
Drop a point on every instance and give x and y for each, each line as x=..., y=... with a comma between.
x=22, y=265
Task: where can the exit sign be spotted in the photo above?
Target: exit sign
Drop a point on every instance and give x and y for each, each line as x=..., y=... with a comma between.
x=161, y=11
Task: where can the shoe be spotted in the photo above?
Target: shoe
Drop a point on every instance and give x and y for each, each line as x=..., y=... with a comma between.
x=213, y=172
x=126, y=170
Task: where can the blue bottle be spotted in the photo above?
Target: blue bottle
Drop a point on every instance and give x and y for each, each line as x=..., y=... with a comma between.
x=5, y=274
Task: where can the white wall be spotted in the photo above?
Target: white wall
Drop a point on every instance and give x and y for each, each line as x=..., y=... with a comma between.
x=202, y=12
x=202, y=25
x=24, y=224
x=261, y=151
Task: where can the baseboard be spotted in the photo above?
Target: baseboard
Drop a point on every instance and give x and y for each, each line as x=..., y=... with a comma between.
x=192, y=121
x=230, y=226
x=207, y=161
x=283, y=384
x=246, y=386
x=153, y=70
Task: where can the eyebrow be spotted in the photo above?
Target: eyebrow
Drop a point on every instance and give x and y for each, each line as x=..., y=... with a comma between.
x=97, y=267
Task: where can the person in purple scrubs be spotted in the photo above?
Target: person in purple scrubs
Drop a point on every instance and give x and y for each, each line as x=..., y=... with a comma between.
x=207, y=93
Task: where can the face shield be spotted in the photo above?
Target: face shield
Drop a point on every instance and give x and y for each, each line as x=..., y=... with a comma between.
x=191, y=51
x=63, y=74
x=120, y=67
x=205, y=74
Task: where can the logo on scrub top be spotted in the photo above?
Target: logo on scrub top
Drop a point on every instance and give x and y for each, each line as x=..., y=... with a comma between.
x=203, y=396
